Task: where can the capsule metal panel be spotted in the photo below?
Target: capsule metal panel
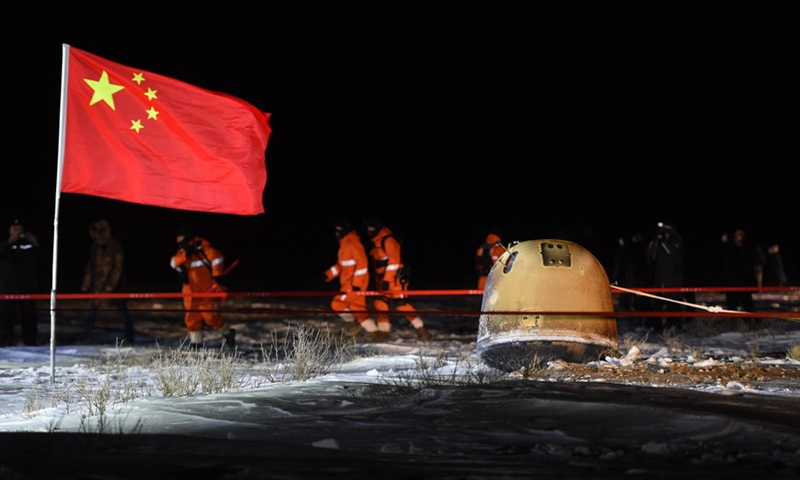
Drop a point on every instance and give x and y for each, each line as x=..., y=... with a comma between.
x=550, y=276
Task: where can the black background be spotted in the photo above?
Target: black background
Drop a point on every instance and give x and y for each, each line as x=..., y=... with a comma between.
x=581, y=121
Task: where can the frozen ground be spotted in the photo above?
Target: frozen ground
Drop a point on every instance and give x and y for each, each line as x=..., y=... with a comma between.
x=699, y=403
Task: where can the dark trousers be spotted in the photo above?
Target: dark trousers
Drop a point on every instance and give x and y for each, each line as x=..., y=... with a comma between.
x=9, y=310
x=123, y=315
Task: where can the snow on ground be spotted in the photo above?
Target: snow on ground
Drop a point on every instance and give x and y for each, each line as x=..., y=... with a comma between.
x=694, y=403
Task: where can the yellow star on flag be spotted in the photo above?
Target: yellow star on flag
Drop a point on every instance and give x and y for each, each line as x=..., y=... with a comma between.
x=103, y=90
x=136, y=125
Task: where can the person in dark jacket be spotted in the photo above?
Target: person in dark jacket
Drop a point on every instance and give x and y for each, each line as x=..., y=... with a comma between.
x=774, y=273
x=629, y=270
x=19, y=271
x=744, y=267
x=665, y=262
x=105, y=273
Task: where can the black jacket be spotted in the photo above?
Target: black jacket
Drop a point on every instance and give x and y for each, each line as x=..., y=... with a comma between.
x=19, y=270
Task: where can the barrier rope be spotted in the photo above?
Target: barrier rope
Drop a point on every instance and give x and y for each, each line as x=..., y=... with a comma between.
x=445, y=293
x=713, y=311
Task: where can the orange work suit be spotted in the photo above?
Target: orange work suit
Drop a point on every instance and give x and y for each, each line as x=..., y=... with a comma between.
x=386, y=264
x=486, y=256
x=202, y=263
x=352, y=269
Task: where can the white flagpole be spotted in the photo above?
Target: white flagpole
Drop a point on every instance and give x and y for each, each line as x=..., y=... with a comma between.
x=61, y=130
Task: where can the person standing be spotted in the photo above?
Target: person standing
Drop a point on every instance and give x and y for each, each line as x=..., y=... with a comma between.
x=774, y=273
x=200, y=267
x=391, y=277
x=19, y=272
x=743, y=267
x=629, y=270
x=664, y=255
x=486, y=256
x=352, y=270
x=105, y=273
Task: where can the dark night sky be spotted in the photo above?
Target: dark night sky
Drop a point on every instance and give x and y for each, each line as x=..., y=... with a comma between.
x=582, y=122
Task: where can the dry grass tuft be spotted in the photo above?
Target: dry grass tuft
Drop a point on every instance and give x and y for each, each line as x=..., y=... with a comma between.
x=307, y=354
x=794, y=353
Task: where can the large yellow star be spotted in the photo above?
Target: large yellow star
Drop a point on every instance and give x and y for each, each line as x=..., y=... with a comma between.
x=103, y=90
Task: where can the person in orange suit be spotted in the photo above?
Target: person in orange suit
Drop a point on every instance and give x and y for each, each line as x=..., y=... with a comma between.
x=391, y=276
x=201, y=266
x=352, y=270
x=486, y=256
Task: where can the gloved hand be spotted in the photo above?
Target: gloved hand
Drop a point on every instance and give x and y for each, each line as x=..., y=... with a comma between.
x=183, y=275
x=384, y=285
x=217, y=286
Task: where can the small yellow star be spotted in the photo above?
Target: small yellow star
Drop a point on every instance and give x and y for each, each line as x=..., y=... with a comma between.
x=103, y=90
x=138, y=78
x=150, y=93
x=136, y=125
x=152, y=113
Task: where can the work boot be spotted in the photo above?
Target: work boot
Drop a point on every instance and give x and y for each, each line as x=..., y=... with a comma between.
x=378, y=336
x=195, y=341
x=423, y=334
x=352, y=329
x=229, y=340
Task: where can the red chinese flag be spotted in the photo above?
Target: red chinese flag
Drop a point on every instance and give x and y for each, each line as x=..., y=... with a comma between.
x=140, y=137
